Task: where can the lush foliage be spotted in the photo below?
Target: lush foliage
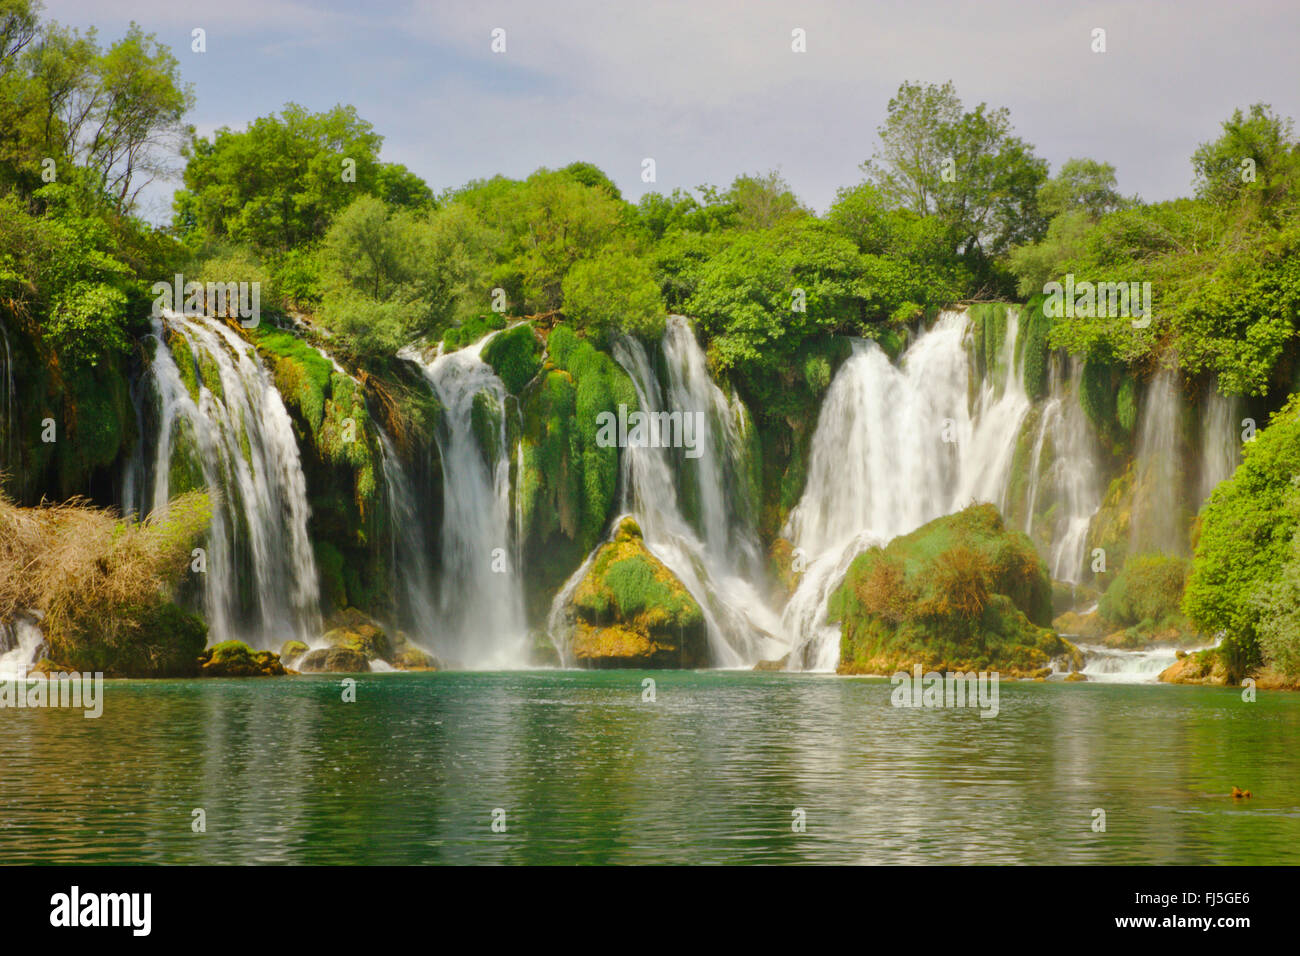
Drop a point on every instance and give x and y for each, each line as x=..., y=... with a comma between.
x=1247, y=529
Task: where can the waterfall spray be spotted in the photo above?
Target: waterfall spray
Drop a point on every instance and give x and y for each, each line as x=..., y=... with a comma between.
x=236, y=440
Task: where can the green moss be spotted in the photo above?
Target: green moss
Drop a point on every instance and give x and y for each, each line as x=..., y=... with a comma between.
x=1147, y=592
x=1126, y=403
x=633, y=612
x=302, y=374
x=329, y=565
x=962, y=592
x=210, y=375
x=515, y=355
x=485, y=417
x=185, y=365
x=1035, y=328
x=185, y=468
x=472, y=329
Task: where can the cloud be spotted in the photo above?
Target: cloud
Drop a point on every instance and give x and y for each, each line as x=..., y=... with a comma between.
x=712, y=89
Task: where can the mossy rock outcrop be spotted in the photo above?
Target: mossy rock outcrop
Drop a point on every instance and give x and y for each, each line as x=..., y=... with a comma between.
x=1208, y=667
x=237, y=659
x=963, y=592
x=631, y=611
x=291, y=650
x=163, y=640
x=334, y=660
x=353, y=630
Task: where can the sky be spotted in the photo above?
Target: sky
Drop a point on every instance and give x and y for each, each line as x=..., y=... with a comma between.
x=712, y=89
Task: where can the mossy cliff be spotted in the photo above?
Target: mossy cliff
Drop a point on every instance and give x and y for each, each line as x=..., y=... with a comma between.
x=72, y=421
x=569, y=482
x=960, y=593
x=631, y=611
x=341, y=458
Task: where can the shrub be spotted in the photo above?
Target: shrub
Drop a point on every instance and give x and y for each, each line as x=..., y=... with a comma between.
x=1148, y=590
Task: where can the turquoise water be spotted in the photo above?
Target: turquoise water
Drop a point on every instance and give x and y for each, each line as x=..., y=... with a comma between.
x=588, y=772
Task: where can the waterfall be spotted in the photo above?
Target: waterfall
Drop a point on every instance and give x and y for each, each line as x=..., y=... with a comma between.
x=895, y=447
x=725, y=520
x=1064, y=484
x=1157, y=496
x=410, y=552
x=1220, y=440
x=21, y=645
x=261, y=583
x=481, y=603
x=742, y=629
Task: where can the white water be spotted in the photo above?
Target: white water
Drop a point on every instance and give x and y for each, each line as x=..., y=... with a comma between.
x=1158, y=498
x=481, y=603
x=416, y=607
x=1108, y=665
x=261, y=583
x=742, y=629
x=724, y=520
x=1220, y=439
x=1070, y=483
x=880, y=465
x=21, y=646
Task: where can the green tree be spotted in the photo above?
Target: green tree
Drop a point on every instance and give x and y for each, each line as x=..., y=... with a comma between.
x=614, y=290
x=279, y=183
x=1256, y=153
x=1081, y=185
x=964, y=167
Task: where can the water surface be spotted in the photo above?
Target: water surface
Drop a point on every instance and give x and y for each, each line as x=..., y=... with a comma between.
x=588, y=772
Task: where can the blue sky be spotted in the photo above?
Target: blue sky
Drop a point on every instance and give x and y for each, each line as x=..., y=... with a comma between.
x=712, y=89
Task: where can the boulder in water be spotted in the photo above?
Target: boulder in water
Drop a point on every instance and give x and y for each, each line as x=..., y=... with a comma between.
x=237, y=659
x=631, y=611
x=961, y=593
x=334, y=660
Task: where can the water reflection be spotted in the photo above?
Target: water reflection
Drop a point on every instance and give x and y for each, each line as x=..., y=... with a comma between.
x=586, y=771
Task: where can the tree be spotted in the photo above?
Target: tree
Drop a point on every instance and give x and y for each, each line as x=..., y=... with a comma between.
x=279, y=183
x=1256, y=153
x=963, y=167
x=766, y=291
x=614, y=290
x=1082, y=185
x=763, y=200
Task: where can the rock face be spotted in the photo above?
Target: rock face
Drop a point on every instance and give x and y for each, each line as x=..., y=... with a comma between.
x=631, y=611
x=334, y=660
x=358, y=639
x=963, y=592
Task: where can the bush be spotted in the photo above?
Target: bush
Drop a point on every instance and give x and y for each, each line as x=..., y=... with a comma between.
x=1247, y=528
x=1147, y=591
x=614, y=290
x=515, y=356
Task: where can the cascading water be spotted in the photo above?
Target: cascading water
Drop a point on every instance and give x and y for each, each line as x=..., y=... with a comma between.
x=895, y=447
x=725, y=517
x=236, y=440
x=1064, y=485
x=742, y=629
x=1158, y=500
x=482, y=598
x=1220, y=439
x=21, y=646
x=416, y=607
